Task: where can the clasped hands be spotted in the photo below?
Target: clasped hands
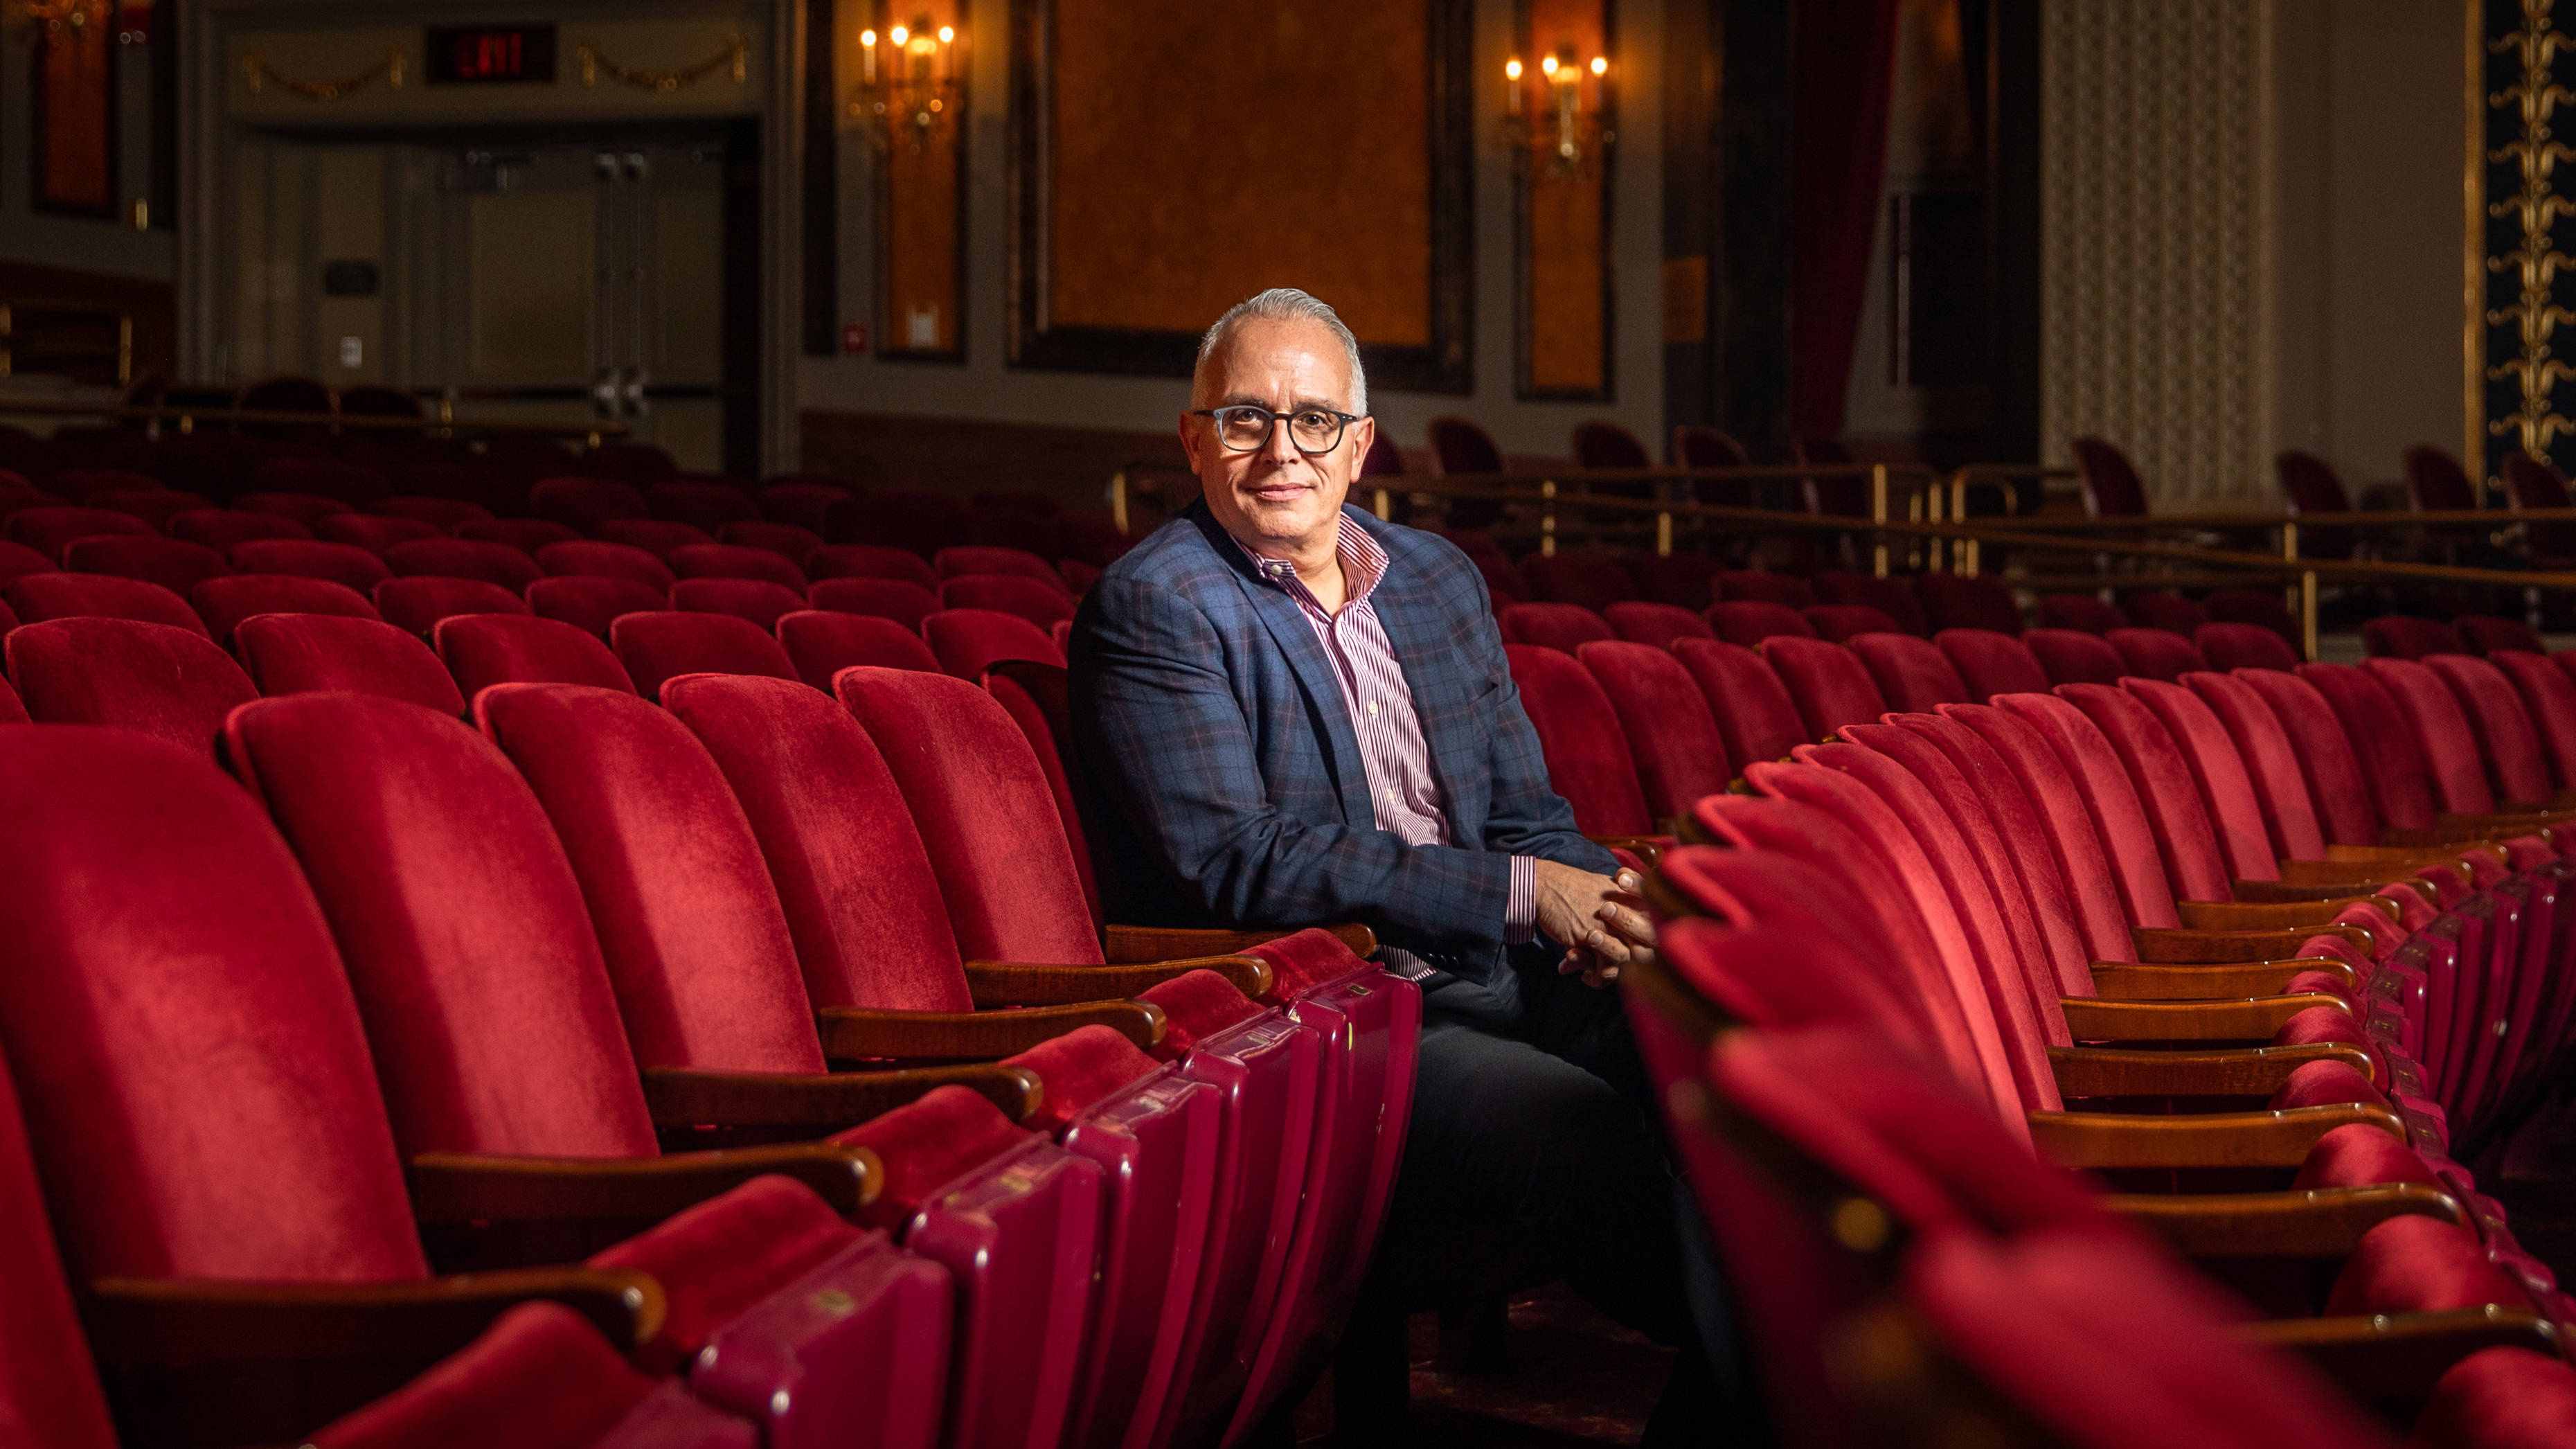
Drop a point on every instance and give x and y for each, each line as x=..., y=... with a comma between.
x=1600, y=919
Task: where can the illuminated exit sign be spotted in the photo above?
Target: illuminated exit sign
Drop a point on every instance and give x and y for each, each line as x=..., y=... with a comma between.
x=489, y=54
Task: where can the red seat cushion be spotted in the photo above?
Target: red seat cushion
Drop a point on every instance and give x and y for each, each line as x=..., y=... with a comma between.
x=223, y=603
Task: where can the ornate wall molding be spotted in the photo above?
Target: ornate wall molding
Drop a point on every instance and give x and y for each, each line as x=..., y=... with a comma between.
x=2154, y=232
x=2521, y=282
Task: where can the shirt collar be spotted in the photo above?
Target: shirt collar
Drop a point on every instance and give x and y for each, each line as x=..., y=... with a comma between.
x=1362, y=559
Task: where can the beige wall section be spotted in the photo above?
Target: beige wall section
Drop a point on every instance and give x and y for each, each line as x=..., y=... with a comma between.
x=2154, y=292
x=984, y=387
x=2368, y=242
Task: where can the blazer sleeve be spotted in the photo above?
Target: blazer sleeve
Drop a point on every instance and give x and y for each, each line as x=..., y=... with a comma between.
x=1158, y=719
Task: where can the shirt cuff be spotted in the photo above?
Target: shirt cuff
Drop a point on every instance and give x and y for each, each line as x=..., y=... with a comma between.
x=1520, y=911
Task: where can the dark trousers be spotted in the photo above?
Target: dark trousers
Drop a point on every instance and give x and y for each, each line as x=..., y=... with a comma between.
x=1535, y=1132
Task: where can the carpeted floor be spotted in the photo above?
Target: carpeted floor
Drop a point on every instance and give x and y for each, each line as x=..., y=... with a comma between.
x=1574, y=1378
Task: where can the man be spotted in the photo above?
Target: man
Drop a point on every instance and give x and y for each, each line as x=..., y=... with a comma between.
x=1301, y=714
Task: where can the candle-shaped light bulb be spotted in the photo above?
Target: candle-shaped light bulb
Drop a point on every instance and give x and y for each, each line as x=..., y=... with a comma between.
x=1548, y=64
x=868, y=56
x=947, y=35
x=898, y=35
x=1600, y=65
x=1512, y=88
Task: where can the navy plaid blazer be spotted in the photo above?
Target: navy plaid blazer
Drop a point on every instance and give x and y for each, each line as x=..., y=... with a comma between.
x=1209, y=719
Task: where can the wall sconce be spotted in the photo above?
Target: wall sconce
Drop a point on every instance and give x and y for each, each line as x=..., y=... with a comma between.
x=1555, y=115
x=910, y=91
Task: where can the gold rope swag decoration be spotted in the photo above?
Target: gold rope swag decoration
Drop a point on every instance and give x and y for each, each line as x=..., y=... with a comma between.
x=258, y=74
x=664, y=82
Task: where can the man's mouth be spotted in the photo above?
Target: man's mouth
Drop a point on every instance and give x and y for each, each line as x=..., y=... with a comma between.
x=1281, y=492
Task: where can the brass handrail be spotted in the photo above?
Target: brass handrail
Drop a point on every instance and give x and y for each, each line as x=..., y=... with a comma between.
x=443, y=426
x=76, y=313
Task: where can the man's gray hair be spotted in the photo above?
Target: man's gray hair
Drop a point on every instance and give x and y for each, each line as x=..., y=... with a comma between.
x=1288, y=304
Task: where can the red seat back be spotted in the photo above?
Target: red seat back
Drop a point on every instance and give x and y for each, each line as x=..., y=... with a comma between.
x=17, y=561
x=2244, y=646
x=787, y=540
x=2066, y=823
x=969, y=641
x=963, y=562
x=1561, y=627
x=49, y=1392
x=863, y=905
x=1039, y=701
x=700, y=505
x=2170, y=612
x=653, y=535
x=1831, y=686
x=351, y=483
x=2081, y=612
x=985, y=812
x=47, y=530
x=1588, y=579
x=1755, y=716
x=1889, y=596
x=733, y=561
x=35, y=598
x=1041, y=603
x=372, y=532
x=1604, y=444
x=1838, y=623
x=2219, y=773
x=301, y=653
x=655, y=647
x=461, y=558
x=221, y=528
x=2093, y=768
x=1749, y=622
x=803, y=505
x=2160, y=780
x=2435, y=482
x=2253, y=606
x=468, y=519
x=757, y=600
x=590, y=558
x=1683, y=580
x=1460, y=446
x=2395, y=636
x=823, y=643
x=1656, y=624
x=2500, y=725
x=592, y=604
x=1672, y=737
x=2442, y=735
x=1580, y=738
x=1968, y=601
x=305, y=508
x=696, y=944
x=2348, y=803
x=2111, y=486
x=1753, y=586
x=583, y=504
x=150, y=678
x=871, y=561
x=481, y=650
x=2156, y=654
x=2271, y=763
x=904, y=603
x=344, y=564
x=418, y=604
x=154, y=505
x=1991, y=663
x=1912, y=675
x=2550, y=696
x=2073, y=658
x=2487, y=634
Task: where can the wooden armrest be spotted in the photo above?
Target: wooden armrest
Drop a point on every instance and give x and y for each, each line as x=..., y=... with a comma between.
x=2128, y=981
x=856, y=1032
x=683, y=1097
x=2254, y=1018
x=2169, y=947
x=1020, y=983
x=1127, y=945
x=2314, y=909
x=2245, y=1072
x=2373, y=855
x=2216, y=1139
x=181, y=1321
x=2393, y=1359
x=2326, y=1223
x=461, y=1187
x=1649, y=847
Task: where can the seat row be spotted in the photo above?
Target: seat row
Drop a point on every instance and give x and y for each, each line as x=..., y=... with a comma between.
x=530, y=966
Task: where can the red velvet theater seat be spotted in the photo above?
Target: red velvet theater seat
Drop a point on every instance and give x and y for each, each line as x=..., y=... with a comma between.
x=305, y=508
x=584, y=504
x=655, y=647
x=1655, y=624
x=1831, y=686
x=2073, y=657
x=1749, y=623
x=732, y=561
x=351, y=483
x=299, y=653
x=153, y=505
x=1889, y=596
x=1579, y=733
x=17, y=560
x=1913, y=675
x=225, y=602
x=592, y=604
x=1561, y=627
x=1751, y=586
x=1841, y=623
x=2253, y=606
x=2486, y=634
x=905, y=603
x=457, y=558
x=1968, y=601
x=150, y=678
x=823, y=643
x=2163, y=610
x=2156, y=653
x=1672, y=738
x=710, y=506
x=1681, y=580
x=376, y=533
x=2244, y=646
x=2394, y=636
x=757, y=601
x=172, y=564
x=871, y=561
x=46, y=530
x=653, y=535
x=13, y=710
x=418, y=604
x=481, y=650
x=527, y=535
x=49, y=1390
x=969, y=641
x=803, y=500
x=1583, y=578
x=460, y=517
x=345, y=564
x=221, y=528
x=35, y=598
x=588, y=558
x=1043, y=604
x=964, y=562
x=786, y=540
x=1755, y=716
x=2081, y=612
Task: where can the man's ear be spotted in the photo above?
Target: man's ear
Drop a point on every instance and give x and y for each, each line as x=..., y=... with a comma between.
x=1363, y=438
x=1190, y=440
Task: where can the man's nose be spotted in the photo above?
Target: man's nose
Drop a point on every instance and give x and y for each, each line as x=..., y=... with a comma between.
x=1277, y=446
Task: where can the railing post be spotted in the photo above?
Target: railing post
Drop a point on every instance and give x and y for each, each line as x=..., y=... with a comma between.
x=2290, y=551
x=1381, y=503
x=2308, y=614
x=1664, y=534
x=1547, y=519
x=1118, y=500
x=1878, y=515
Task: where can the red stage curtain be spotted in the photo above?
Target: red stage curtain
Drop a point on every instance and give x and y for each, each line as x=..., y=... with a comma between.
x=1846, y=70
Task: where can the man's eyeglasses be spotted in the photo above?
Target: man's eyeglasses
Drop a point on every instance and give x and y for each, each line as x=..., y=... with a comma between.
x=1244, y=427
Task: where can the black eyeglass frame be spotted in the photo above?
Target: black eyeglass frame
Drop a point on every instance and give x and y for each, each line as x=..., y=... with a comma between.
x=1216, y=415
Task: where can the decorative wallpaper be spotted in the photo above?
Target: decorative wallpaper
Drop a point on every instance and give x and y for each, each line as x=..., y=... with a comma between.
x=2520, y=65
